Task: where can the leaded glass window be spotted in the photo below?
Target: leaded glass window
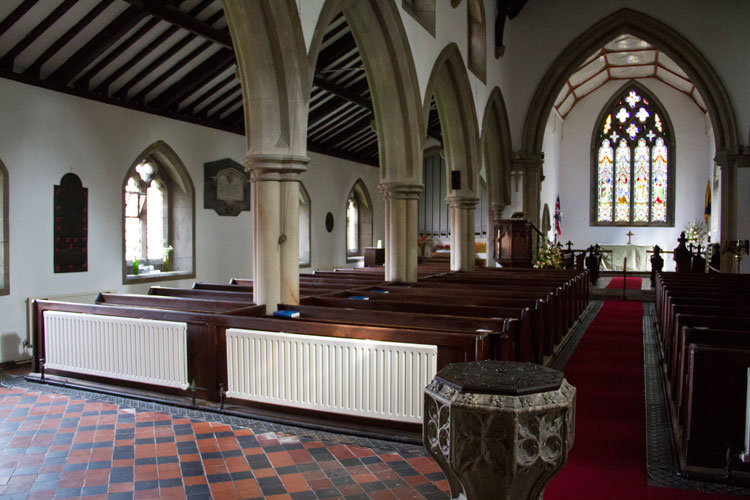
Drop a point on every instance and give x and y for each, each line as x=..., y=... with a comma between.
x=632, y=157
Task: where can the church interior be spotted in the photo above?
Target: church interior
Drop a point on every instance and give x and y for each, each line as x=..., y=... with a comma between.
x=241, y=241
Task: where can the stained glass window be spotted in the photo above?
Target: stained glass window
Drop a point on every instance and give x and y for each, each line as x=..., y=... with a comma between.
x=632, y=158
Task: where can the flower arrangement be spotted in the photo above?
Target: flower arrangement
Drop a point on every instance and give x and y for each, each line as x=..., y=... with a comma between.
x=695, y=234
x=480, y=247
x=550, y=257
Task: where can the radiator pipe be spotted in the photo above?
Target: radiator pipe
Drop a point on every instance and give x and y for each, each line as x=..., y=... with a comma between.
x=233, y=413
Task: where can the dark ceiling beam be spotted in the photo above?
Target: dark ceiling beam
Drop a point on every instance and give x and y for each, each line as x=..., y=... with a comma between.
x=36, y=67
x=335, y=139
x=167, y=74
x=99, y=44
x=123, y=91
x=39, y=29
x=372, y=154
x=336, y=50
x=325, y=109
x=344, y=114
x=85, y=80
x=216, y=99
x=317, y=148
x=236, y=119
x=17, y=14
x=342, y=92
x=226, y=107
x=195, y=79
x=207, y=94
x=175, y=16
x=103, y=88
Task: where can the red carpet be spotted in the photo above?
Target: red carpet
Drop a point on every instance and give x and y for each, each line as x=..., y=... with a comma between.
x=632, y=283
x=608, y=459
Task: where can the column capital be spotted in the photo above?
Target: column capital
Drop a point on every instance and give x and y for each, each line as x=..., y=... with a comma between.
x=526, y=161
x=272, y=167
x=728, y=159
x=400, y=190
x=461, y=202
x=497, y=210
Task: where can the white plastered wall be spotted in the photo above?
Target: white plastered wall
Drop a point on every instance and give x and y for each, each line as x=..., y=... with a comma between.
x=45, y=134
x=693, y=156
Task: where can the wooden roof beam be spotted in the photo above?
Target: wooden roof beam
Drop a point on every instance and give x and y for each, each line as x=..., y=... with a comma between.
x=99, y=44
x=17, y=14
x=36, y=67
x=10, y=56
x=175, y=16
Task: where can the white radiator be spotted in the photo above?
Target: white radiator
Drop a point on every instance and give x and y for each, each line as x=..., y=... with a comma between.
x=383, y=380
x=139, y=350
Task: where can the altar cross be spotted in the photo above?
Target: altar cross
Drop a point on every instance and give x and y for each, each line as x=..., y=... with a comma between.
x=629, y=234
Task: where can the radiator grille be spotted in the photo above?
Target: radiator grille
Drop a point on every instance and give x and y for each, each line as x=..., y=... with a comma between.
x=383, y=380
x=139, y=350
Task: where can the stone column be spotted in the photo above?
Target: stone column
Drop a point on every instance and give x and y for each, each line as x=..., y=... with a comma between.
x=289, y=239
x=275, y=229
x=728, y=164
x=532, y=189
x=462, y=232
x=401, y=230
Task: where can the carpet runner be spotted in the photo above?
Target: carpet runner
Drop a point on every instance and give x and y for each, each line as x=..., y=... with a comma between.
x=608, y=458
x=631, y=283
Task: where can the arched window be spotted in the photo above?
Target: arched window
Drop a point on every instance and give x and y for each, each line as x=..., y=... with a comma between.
x=158, y=218
x=633, y=162
x=304, y=227
x=358, y=220
x=4, y=254
x=477, y=39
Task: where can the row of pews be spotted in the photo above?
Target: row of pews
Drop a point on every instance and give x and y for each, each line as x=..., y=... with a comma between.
x=355, y=346
x=704, y=325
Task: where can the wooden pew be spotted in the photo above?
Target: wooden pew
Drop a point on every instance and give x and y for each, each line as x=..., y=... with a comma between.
x=177, y=304
x=501, y=331
x=522, y=337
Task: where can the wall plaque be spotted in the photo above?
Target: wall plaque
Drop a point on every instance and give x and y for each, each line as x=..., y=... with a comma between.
x=226, y=187
x=71, y=225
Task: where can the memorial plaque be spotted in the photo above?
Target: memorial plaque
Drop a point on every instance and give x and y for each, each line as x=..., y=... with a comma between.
x=226, y=187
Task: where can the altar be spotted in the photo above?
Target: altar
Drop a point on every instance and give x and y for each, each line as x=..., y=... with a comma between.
x=637, y=255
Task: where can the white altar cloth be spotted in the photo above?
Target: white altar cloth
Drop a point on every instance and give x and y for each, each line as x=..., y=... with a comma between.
x=638, y=258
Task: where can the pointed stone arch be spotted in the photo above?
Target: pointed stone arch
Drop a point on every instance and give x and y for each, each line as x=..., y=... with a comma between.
x=4, y=234
x=658, y=34
x=362, y=233
x=449, y=82
x=179, y=213
x=392, y=78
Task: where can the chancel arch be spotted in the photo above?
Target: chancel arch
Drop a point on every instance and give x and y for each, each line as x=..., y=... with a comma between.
x=4, y=236
x=682, y=52
x=158, y=218
x=386, y=57
x=449, y=84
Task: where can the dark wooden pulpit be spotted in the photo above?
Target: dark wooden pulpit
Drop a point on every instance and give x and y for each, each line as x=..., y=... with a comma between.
x=513, y=243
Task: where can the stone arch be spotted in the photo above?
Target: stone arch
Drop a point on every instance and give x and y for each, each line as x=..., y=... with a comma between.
x=305, y=227
x=381, y=40
x=181, y=213
x=496, y=150
x=4, y=234
x=658, y=34
x=449, y=83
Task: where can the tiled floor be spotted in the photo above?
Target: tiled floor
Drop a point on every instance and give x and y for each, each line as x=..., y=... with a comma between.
x=62, y=446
